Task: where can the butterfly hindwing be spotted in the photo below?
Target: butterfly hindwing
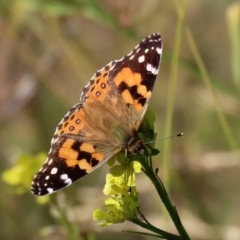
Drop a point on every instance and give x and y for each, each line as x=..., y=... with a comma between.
x=77, y=149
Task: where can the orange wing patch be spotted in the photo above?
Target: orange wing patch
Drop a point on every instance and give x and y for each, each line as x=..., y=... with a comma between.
x=128, y=76
x=132, y=91
x=72, y=122
x=87, y=147
x=82, y=154
x=99, y=88
x=68, y=153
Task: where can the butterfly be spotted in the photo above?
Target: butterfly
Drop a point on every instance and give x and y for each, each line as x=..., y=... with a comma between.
x=105, y=121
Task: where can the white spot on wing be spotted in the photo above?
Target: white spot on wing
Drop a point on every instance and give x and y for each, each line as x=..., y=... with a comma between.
x=54, y=140
x=66, y=179
x=50, y=190
x=152, y=69
x=155, y=71
x=131, y=58
x=54, y=170
x=141, y=59
x=136, y=46
x=149, y=67
x=159, y=50
x=64, y=176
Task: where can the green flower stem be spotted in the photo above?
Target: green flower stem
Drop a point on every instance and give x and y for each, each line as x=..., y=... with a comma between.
x=60, y=215
x=148, y=170
x=158, y=231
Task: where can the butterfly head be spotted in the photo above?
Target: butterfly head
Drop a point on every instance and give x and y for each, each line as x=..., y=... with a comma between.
x=135, y=146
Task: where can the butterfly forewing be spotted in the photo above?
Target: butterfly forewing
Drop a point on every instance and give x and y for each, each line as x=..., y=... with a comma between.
x=134, y=77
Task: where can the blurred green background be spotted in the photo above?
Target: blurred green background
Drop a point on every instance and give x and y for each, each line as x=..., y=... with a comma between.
x=49, y=49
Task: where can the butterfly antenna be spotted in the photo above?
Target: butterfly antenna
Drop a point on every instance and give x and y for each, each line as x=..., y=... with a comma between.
x=162, y=139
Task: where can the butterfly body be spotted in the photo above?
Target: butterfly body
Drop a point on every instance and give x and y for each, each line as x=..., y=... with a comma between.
x=106, y=120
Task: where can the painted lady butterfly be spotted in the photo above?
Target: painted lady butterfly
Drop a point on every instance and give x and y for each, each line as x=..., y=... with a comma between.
x=111, y=109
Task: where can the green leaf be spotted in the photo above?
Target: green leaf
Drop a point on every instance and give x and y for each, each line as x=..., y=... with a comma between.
x=154, y=152
x=150, y=118
x=117, y=170
x=111, y=161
